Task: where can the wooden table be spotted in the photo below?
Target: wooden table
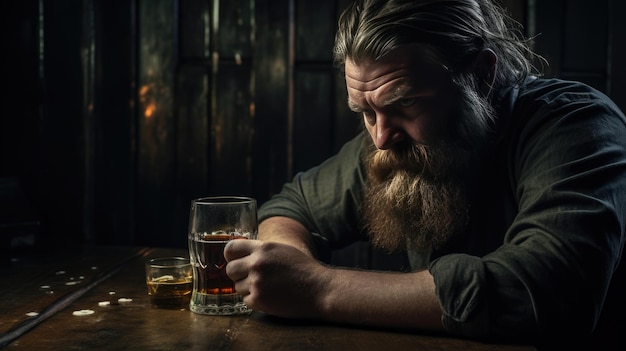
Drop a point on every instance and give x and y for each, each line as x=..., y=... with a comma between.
x=84, y=279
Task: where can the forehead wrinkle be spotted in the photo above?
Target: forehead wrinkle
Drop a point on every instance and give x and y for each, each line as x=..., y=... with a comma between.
x=364, y=86
x=371, y=76
x=354, y=85
x=383, y=95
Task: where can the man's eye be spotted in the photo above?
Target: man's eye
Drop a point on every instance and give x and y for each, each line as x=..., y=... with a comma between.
x=407, y=102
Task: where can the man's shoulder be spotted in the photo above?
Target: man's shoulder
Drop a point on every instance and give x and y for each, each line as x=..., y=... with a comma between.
x=539, y=100
x=540, y=109
x=559, y=91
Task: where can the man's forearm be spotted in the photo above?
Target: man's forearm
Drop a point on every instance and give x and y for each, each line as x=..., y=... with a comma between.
x=287, y=231
x=405, y=300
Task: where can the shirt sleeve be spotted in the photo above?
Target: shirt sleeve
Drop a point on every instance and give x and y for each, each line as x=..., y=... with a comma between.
x=551, y=275
x=326, y=199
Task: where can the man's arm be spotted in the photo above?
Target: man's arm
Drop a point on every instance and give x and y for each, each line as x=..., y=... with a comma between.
x=387, y=299
x=280, y=280
x=276, y=229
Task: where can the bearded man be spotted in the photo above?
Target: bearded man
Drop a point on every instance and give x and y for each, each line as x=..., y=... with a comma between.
x=507, y=192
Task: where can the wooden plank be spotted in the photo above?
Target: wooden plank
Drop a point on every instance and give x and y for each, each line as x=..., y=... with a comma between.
x=195, y=25
x=156, y=125
x=313, y=127
x=235, y=29
x=61, y=163
x=270, y=154
x=231, y=98
x=192, y=142
x=232, y=132
x=115, y=109
x=315, y=30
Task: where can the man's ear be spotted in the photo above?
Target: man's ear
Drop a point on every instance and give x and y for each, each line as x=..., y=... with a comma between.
x=485, y=70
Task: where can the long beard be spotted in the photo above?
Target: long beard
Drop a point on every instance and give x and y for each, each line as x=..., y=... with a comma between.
x=417, y=196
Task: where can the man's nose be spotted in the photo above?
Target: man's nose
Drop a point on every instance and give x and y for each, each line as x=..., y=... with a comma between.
x=386, y=133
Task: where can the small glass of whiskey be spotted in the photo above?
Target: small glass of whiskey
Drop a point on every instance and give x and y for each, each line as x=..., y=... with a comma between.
x=169, y=281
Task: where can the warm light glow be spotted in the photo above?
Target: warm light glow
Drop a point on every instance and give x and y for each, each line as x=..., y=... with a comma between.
x=144, y=95
x=149, y=110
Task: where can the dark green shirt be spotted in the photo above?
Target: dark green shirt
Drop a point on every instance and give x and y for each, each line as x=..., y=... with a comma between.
x=547, y=220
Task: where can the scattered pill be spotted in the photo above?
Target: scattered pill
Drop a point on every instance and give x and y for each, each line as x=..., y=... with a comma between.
x=32, y=314
x=104, y=303
x=123, y=299
x=60, y=272
x=83, y=312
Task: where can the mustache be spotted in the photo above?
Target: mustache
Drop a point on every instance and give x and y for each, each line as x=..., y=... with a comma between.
x=407, y=157
x=432, y=162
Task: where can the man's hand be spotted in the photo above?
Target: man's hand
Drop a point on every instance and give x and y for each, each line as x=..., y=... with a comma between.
x=277, y=278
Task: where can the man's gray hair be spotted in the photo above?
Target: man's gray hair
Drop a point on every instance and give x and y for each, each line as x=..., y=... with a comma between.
x=454, y=32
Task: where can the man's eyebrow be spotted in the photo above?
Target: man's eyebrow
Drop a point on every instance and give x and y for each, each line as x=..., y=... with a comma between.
x=354, y=106
x=403, y=91
x=398, y=93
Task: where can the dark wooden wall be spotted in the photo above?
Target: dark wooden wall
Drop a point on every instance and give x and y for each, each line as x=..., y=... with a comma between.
x=583, y=40
x=119, y=112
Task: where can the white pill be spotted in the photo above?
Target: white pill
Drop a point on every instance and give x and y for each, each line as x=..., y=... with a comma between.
x=83, y=312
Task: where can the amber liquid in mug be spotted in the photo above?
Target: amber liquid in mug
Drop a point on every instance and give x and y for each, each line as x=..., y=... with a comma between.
x=211, y=268
x=213, y=289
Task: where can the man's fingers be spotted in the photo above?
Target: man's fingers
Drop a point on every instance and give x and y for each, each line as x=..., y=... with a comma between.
x=236, y=253
x=239, y=248
x=236, y=270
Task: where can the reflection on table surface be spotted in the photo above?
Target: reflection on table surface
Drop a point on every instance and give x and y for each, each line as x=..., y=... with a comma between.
x=95, y=299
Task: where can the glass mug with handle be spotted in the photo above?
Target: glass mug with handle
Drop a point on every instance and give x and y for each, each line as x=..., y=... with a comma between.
x=213, y=221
